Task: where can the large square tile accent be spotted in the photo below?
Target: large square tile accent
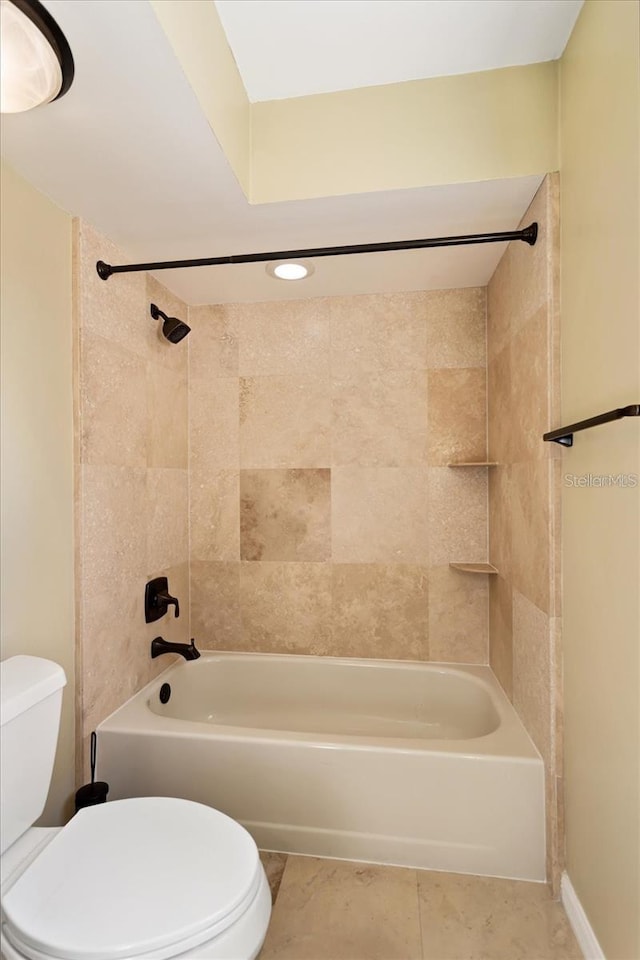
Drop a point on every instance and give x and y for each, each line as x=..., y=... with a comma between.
x=379, y=515
x=372, y=333
x=479, y=918
x=285, y=514
x=285, y=422
x=380, y=419
x=457, y=415
x=284, y=338
x=458, y=616
x=286, y=607
x=380, y=611
x=333, y=910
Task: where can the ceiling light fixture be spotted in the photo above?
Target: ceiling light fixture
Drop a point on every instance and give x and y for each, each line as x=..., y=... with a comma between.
x=36, y=60
x=288, y=270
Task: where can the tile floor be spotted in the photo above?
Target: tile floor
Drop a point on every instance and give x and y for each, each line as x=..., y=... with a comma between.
x=336, y=910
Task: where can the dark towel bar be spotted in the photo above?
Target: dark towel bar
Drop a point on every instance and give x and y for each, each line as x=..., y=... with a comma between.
x=564, y=435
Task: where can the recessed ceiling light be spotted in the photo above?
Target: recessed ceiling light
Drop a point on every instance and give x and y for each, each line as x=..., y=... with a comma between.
x=37, y=64
x=290, y=270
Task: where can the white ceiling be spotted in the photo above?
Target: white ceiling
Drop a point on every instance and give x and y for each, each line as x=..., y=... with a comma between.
x=292, y=48
x=130, y=151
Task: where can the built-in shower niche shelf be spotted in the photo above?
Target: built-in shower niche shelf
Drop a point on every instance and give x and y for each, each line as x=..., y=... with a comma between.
x=474, y=567
x=474, y=463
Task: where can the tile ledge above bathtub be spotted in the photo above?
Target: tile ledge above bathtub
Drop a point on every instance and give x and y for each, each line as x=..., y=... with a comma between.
x=474, y=567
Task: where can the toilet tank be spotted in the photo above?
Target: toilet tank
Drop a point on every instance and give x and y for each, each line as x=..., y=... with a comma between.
x=30, y=703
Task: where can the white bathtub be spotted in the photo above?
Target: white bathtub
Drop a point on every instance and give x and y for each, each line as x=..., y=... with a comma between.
x=421, y=765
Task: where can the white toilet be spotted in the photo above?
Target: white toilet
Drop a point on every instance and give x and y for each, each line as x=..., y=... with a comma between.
x=141, y=879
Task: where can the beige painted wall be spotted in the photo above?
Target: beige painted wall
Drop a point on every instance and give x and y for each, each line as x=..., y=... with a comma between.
x=198, y=39
x=323, y=514
x=481, y=126
x=478, y=126
x=601, y=370
x=37, y=450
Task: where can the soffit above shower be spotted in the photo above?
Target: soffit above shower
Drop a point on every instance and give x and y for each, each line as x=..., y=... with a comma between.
x=130, y=151
x=296, y=48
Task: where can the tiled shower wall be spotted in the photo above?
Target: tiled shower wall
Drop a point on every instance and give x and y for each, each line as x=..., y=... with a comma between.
x=524, y=492
x=131, y=480
x=323, y=514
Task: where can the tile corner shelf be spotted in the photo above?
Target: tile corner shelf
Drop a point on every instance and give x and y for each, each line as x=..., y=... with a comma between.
x=474, y=567
x=474, y=463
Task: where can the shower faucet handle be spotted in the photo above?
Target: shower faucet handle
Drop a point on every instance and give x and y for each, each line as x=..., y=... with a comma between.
x=157, y=600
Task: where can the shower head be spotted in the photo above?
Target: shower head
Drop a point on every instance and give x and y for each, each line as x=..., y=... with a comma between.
x=173, y=329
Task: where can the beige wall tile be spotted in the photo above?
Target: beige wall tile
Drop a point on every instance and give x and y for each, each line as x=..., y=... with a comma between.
x=116, y=309
x=458, y=616
x=456, y=328
x=500, y=519
x=213, y=341
x=532, y=671
x=335, y=910
x=500, y=291
x=166, y=518
x=457, y=415
x=501, y=424
x=501, y=632
x=521, y=283
x=380, y=419
x=285, y=422
x=530, y=547
x=378, y=332
x=530, y=389
x=166, y=417
x=214, y=507
x=457, y=515
x=285, y=514
x=379, y=515
x=213, y=424
x=284, y=338
x=113, y=524
x=114, y=404
x=380, y=611
x=286, y=607
x=215, y=605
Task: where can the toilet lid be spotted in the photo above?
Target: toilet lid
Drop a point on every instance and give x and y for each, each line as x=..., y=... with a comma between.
x=133, y=876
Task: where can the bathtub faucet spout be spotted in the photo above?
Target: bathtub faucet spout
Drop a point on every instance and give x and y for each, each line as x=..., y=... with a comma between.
x=186, y=650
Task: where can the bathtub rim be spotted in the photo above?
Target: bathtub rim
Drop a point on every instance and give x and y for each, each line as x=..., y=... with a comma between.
x=509, y=740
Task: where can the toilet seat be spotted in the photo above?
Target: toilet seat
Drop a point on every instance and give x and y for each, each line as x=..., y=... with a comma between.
x=133, y=879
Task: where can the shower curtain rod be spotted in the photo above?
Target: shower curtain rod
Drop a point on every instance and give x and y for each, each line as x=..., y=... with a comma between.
x=528, y=234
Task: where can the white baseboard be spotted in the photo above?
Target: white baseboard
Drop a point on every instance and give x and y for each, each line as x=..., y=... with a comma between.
x=580, y=925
